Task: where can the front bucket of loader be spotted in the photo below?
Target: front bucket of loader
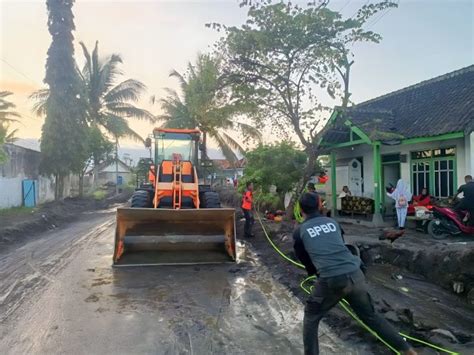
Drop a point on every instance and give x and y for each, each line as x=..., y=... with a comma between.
x=153, y=236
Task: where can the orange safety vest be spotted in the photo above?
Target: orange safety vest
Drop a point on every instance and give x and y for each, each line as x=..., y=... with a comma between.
x=151, y=175
x=247, y=200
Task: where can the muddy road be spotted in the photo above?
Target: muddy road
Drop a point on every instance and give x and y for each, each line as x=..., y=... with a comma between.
x=59, y=294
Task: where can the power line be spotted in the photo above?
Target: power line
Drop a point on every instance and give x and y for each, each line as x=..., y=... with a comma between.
x=18, y=71
x=382, y=15
x=344, y=6
x=26, y=77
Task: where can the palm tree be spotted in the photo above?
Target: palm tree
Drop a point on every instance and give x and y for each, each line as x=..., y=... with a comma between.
x=109, y=106
x=203, y=103
x=7, y=116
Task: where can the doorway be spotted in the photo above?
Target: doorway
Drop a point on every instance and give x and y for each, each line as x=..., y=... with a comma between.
x=390, y=175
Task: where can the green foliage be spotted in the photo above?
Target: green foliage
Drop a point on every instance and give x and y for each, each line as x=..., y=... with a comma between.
x=3, y=155
x=63, y=139
x=110, y=105
x=99, y=146
x=286, y=57
x=7, y=116
x=268, y=201
x=99, y=194
x=7, y=113
x=15, y=211
x=205, y=103
x=107, y=105
x=281, y=165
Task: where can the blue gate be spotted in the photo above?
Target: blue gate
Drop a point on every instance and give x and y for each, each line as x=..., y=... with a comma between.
x=29, y=193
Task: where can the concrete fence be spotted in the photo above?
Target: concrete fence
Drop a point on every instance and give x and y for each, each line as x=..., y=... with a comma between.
x=23, y=164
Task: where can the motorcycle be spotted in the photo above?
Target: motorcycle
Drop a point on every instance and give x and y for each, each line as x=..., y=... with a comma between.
x=448, y=222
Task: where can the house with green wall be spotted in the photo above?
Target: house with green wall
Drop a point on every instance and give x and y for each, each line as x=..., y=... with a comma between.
x=422, y=134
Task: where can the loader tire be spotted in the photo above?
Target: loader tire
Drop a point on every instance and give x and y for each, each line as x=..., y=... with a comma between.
x=210, y=199
x=141, y=199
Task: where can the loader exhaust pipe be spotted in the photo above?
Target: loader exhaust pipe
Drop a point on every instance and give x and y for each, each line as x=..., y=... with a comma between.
x=147, y=236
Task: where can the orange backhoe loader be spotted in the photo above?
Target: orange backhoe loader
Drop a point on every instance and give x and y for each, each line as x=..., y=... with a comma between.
x=173, y=219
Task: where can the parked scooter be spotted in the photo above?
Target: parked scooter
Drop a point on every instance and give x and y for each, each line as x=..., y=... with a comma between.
x=448, y=222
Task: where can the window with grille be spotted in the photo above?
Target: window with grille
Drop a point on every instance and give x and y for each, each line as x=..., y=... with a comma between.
x=421, y=176
x=444, y=178
x=435, y=170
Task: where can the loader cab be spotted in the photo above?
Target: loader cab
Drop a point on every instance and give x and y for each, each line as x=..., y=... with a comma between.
x=176, y=144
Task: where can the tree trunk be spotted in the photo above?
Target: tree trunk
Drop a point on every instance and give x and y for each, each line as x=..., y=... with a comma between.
x=56, y=187
x=95, y=180
x=81, y=185
x=310, y=167
x=204, y=156
x=116, y=166
x=204, y=145
x=290, y=209
x=59, y=186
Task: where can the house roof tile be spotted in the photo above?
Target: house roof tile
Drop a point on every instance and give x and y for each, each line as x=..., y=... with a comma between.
x=444, y=104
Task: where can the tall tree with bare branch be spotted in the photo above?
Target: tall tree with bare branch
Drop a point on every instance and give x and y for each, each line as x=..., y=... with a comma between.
x=289, y=59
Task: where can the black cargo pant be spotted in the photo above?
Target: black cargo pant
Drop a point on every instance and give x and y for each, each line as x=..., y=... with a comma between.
x=328, y=292
x=464, y=206
x=249, y=221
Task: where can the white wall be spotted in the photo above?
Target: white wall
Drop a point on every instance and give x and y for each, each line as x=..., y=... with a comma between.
x=45, y=191
x=10, y=192
x=469, y=156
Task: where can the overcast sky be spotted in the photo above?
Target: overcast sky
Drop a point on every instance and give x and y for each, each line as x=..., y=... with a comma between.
x=422, y=39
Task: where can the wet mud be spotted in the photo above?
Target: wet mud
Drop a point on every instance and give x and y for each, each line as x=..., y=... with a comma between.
x=76, y=303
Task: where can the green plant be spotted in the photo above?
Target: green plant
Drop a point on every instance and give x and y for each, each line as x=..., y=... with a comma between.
x=13, y=211
x=7, y=116
x=99, y=194
x=268, y=201
x=280, y=165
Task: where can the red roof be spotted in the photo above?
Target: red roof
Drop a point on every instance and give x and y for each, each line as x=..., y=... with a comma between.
x=225, y=164
x=176, y=130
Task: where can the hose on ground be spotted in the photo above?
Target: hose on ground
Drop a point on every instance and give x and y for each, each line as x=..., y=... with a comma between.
x=344, y=304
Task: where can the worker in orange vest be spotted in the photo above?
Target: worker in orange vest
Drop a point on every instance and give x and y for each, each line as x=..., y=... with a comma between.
x=151, y=175
x=247, y=200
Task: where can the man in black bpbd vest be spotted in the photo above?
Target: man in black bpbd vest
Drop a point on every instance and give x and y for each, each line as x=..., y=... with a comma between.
x=320, y=248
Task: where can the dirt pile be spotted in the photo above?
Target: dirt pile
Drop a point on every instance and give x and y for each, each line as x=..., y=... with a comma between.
x=449, y=266
x=16, y=227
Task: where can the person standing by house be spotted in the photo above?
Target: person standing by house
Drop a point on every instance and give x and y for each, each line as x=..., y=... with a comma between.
x=402, y=195
x=320, y=247
x=247, y=201
x=467, y=203
x=345, y=192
